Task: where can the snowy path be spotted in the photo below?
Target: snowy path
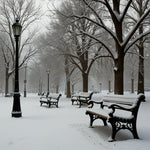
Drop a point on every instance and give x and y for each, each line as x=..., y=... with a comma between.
x=63, y=128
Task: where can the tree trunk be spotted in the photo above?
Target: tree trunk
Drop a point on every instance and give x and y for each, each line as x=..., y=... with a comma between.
x=6, y=82
x=141, y=64
x=132, y=85
x=141, y=76
x=57, y=88
x=119, y=78
x=72, y=88
x=109, y=86
x=13, y=82
x=85, y=82
x=68, y=94
x=119, y=63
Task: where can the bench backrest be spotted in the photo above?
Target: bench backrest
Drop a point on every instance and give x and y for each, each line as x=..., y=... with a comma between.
x=133, y=109
x=86, y=94
x=47, y=94
x=136, y=105
x=119, y=99
x=55, y=96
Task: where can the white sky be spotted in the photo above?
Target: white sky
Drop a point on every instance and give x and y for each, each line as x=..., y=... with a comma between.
x=45, y=5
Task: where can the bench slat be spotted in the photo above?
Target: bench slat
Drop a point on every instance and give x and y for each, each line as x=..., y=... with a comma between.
x=98, y=114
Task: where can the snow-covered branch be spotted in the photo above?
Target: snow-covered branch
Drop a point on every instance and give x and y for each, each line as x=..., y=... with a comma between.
x=112, y=53
x=135, y=28
x=125, y=10
x=135, y=40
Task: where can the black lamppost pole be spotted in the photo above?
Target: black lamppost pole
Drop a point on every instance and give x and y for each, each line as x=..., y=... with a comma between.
x=25, y=81
x=16, y=111
x=48, y=80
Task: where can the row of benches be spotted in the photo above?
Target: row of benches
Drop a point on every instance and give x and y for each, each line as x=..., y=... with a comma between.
x=118, y=110
x=53, y=99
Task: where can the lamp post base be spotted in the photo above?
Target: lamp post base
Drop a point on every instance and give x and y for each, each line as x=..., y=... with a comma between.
x=16, y=114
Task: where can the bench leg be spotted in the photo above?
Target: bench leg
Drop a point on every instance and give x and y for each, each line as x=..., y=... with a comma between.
x=104, y=121
x=57, y=105
x=134, y=131
x=91, y=120
x=118, y=125
x=115, y=128
x=114, y=131
x=72, y=102
x=80, y=103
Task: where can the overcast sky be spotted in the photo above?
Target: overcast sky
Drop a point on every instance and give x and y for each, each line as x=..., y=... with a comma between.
x=45, y=5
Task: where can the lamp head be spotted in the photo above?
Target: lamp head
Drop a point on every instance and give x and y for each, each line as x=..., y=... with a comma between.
x=17, y=28
x=48, y=71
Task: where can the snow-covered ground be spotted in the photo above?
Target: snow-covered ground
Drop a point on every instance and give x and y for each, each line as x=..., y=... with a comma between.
x=65, y=128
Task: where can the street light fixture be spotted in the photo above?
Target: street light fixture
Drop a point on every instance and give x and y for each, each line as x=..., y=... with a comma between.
x=48, y=71
x=16, y=111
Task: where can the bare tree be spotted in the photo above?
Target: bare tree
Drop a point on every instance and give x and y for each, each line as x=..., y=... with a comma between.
x=81, y=49
x=27, y=13
x=116, y=13
x=1, y=71
x=140, y=7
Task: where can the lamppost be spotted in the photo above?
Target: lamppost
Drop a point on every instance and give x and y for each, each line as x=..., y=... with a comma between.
x=25, y=81
x=48, y=71
x=16, y=111
x=100, y=85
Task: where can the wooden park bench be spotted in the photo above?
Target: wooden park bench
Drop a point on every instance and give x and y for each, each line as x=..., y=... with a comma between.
x=123, y=114
x=82, y=97
x=52, y=99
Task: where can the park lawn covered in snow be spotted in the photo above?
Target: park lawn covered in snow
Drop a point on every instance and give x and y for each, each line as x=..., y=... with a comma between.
x=65, y=128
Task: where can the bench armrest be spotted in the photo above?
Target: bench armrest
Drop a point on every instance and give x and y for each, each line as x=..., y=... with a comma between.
x=91, y=103
x=117, y=106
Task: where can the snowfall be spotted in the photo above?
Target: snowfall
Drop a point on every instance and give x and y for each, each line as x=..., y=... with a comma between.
x=66, y=127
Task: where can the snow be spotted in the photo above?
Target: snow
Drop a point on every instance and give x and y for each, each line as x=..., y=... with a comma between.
x=65, y=128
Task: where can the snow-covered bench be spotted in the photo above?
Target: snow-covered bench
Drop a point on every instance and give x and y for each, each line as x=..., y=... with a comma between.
x=111, y=99
x=44, y=96
x=119, y=113
x=52, y=99
x=82, y=97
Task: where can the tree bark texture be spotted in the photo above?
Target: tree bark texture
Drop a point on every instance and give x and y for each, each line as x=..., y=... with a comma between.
x=119, y=75
x=6, y=82
x=68, y=92
x=85, y=82
x=141, y=64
